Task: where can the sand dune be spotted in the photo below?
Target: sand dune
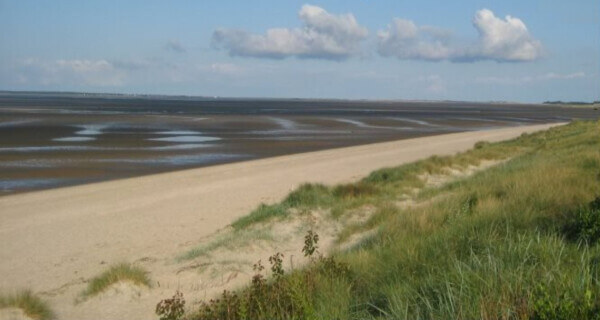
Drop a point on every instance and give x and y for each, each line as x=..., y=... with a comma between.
x=53, y=241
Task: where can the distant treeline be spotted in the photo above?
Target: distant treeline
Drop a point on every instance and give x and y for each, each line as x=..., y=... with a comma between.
x=572, y=102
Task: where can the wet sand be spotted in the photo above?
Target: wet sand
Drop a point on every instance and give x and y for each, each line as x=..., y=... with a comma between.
x=54, y=140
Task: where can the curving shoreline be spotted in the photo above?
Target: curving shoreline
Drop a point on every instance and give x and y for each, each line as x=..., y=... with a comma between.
x=51, y=239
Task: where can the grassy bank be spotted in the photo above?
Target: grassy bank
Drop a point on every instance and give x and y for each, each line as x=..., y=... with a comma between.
x=516, y=241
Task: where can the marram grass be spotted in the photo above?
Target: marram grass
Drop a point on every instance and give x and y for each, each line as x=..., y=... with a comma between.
x=117, y=273
x=519, y=240
x=31, y=305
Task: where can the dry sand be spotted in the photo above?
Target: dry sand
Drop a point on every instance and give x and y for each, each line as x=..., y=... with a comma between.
x=53, y=241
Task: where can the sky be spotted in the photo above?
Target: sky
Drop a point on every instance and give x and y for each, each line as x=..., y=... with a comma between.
x=509, y=50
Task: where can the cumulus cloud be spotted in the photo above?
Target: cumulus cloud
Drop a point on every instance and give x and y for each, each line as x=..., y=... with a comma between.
x=502, y=40
x=323, y=35
x=405, y=40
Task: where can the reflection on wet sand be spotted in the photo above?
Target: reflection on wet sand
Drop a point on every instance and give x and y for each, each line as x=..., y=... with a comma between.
x=45, y=144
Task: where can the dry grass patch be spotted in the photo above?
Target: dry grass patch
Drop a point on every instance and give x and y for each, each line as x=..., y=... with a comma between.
x=31, y=305
x=122, y=272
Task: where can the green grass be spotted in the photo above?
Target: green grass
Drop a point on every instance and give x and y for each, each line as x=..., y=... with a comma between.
x=232, y=240
x=30, y=304
x=380, y=186
x=116, y=273
x=516, y=241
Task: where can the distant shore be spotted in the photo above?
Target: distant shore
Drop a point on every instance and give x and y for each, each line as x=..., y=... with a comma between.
x=56, y=239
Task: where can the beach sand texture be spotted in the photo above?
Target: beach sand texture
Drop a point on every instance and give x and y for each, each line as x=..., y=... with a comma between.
x=52, y=241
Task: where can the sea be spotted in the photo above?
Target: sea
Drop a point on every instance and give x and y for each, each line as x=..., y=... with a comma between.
x=57, y=139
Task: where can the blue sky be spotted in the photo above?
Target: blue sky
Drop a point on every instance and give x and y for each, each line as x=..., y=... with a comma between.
x=357, y=49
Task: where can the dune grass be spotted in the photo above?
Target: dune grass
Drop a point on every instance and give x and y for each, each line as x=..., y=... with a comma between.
x=31, y=305
x=381, y=185
x=231, y=241
x=116, y=273
x=516, y=241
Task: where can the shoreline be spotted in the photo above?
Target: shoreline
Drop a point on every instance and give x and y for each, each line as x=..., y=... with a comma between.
x=55, y=237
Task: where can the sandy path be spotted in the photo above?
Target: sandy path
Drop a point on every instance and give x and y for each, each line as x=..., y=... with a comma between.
x=52, y=240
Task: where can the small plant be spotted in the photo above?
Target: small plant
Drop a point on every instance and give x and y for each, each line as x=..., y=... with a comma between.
x=468, y=205
x=310, y=243
x=29, y=303
x=116, y=273
x=354, y=190
x=595, y=205
x=565, y=308
x=276, y=261
x=331, y=267
x=258, y=280
x=171, y=309
x=227, y=307
x=585, y=224
x=481, y=144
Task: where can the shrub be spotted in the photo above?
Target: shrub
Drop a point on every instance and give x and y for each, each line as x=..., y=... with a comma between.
x=584, y=225
x=481, y=144
x=282, y=297
x=354, y=190
x=565, y=308
x=310, y=243
x=171, y=309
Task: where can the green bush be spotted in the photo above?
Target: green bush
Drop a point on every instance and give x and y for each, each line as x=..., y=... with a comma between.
x=584, y=225
x=566, y=307
x=354, y=190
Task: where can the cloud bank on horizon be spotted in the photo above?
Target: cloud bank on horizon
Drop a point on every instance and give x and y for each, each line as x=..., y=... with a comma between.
x=337, y=37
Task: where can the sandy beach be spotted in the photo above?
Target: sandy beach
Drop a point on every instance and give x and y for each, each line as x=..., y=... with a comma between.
x=53, y=241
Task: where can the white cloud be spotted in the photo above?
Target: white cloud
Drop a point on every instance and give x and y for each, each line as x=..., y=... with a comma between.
x=530, y=79
x=88, y=72
x=502, y=40
x=405, y=40
x=225, y=68
x=324, y=35
x=552, y=76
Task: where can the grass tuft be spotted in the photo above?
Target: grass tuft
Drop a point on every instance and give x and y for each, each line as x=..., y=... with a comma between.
x=233, y=240
x=29, y=303
x=116, y=273
x=262, y=213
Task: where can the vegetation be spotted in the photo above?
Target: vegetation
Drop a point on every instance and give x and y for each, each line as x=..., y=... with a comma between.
x=230, y=240
x=117, y=273
x=572, y=102
x=30, y=304
x=575, y=104
x=516, y=241
x=171, y=309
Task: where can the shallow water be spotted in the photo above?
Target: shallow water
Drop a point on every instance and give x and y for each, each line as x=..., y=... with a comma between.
x=52, y=140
